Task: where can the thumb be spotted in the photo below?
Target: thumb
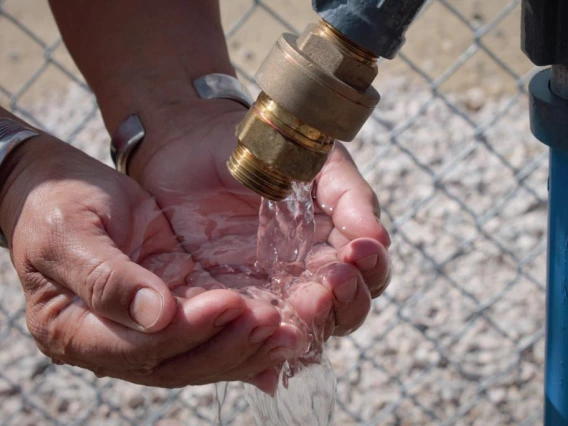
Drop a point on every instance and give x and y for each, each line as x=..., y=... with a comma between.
x=108, y=281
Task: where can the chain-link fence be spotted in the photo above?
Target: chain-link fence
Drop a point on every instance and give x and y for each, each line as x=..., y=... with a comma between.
x=458, y=338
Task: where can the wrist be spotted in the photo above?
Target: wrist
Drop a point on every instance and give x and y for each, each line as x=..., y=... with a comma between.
x=25, y=169
x=148, y=94
x=183, y=124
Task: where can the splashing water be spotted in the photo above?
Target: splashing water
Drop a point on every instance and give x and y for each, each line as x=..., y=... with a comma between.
x=307, y=398
x=223, y=255
x=306, y=386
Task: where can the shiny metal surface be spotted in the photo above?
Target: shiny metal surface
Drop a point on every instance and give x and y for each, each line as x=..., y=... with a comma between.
x=315, y=88
x=125, y=140
x=222, y=86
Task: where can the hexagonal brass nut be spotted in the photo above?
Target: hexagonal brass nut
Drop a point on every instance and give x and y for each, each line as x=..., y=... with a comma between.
x=268, y=145
x=328, y=55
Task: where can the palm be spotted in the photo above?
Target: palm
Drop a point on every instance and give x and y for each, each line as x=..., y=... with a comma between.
x=216, y=218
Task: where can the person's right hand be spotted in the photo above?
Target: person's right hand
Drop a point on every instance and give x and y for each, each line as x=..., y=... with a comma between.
x=92, y=250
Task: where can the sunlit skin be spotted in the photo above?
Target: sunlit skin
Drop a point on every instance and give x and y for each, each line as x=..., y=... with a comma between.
x=93, y=220
x=354, y=262
x=85, y=239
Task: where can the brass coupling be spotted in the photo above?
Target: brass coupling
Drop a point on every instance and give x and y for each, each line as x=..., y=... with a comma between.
x=315, y=88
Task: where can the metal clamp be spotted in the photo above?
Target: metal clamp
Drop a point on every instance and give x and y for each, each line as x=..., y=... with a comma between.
x=125, y=140
x=222, y=86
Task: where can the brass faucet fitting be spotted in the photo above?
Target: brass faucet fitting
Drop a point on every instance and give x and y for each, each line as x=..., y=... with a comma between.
x=315, y=88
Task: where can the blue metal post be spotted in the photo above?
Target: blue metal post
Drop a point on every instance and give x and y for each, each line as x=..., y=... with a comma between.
x=549, y=123
x=556, y=385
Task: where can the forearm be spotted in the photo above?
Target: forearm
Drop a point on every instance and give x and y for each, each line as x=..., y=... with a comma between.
x=141, y=55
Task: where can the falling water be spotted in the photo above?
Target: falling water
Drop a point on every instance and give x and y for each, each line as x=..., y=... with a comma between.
x=306, y=386
x=306, y=389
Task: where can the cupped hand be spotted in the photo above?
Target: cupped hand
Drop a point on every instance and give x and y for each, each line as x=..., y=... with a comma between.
x=105, y=279
x=182, y=163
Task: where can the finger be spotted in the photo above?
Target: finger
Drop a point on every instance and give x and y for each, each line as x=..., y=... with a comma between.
x=227, y=350
x=87, y=262
x=320, y=255
x=372, y=260
x=342, y=281
x=350, y=201
x=323, y=228
x=314, y=304
x=232, y=355
x=68, y=331
x=352, y=300
x=266, y=381
x=288, y=343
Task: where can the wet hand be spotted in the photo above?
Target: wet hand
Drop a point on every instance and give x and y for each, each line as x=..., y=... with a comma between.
x=182, y=163
x=105, y=279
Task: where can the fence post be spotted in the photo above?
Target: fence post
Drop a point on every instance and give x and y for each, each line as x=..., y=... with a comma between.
x=556, y=394
x=549, y=123
x=545, y=37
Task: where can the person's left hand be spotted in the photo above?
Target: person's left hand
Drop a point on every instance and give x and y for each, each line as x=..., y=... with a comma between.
x=182, y=162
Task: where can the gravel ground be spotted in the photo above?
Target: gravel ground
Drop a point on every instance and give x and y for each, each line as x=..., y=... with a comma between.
x=458, y=337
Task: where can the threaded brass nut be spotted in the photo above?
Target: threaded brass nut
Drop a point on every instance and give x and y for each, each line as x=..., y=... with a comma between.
x=273, y=148
x=257, y=175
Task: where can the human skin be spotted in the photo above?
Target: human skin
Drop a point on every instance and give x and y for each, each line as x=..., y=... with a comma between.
x=85, y=239
x=74, y=226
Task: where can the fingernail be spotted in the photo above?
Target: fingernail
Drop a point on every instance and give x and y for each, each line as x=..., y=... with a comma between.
x=386, y=227
x=383, y=286
x=367, y=263
x=345, y=293
x=260, y=334
x=228, y=316
x=146, y=307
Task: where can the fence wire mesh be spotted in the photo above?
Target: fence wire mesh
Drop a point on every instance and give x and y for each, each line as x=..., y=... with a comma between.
x=458, y=338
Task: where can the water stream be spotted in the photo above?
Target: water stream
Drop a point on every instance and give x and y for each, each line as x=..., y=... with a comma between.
x=306, y=389
x=261, y=259
x=264, y=259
